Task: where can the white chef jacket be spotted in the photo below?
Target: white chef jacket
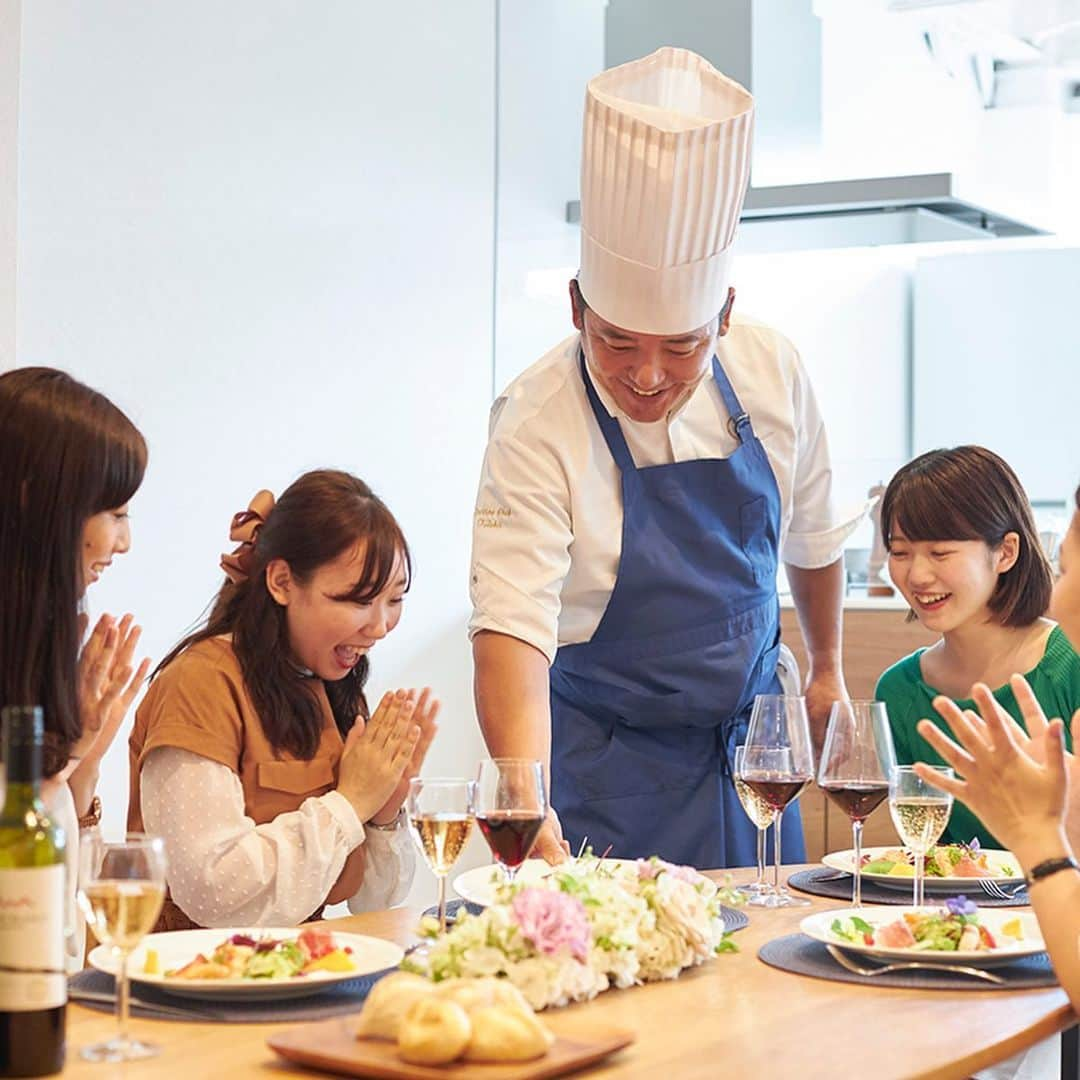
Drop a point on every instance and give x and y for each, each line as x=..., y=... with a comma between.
x=547, y=531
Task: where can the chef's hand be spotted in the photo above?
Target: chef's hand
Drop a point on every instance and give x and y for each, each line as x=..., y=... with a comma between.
x=550, y=844
x=821, y=692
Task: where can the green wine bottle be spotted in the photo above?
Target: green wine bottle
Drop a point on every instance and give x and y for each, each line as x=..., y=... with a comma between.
x=33, y=986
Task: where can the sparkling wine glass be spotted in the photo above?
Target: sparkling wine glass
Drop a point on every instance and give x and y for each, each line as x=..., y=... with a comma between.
x=762, y=815
x=441, y=814
x=777, y=764
x=121, y=890
x=920, y=813
x=510, y=809
x=856, y=763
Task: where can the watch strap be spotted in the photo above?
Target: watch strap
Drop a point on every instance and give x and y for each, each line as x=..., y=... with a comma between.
x=1051, y=866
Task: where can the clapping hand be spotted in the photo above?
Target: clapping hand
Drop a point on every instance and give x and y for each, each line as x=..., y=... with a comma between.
x=424, y=715
x=1017, y=782
x=108, y=683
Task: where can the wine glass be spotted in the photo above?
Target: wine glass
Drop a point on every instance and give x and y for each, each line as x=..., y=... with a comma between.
x=920, y=813
x=441, y=816
x=762, y=815
x=856, y=763
x=510, y=809
x=121, y=890
x=777, y=764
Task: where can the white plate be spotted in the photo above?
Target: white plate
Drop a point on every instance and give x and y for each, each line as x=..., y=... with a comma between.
x=818, y=926
x=478, y=885
x=178, y=947
x=951, y=886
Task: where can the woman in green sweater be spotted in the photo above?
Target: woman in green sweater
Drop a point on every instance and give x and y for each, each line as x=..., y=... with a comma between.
x=964, y=553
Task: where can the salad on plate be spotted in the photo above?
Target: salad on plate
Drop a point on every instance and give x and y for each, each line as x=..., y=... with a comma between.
x=242, y=956
x=942, y=861
x=952, y=928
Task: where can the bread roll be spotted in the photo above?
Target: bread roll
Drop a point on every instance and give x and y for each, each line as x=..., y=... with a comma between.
x=479, y=993
x=390, y=999
x=434, y=1032
x=506, y=1033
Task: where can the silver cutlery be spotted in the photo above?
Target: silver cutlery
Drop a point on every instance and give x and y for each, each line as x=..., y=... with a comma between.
x=845, y=961
x=992, y=888
x=835, y=875
x=104, y=998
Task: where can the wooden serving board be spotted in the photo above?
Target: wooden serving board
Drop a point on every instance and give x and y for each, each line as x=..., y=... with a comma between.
x=331, y=1045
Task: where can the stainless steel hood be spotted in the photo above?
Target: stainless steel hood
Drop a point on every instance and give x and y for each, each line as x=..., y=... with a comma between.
x=773, y=47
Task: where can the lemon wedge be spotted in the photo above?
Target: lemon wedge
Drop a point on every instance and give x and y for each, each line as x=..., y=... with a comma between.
x=153, y=963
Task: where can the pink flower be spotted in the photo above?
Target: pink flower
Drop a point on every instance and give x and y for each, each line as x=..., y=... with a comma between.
x=552, y=921
x=648, y=869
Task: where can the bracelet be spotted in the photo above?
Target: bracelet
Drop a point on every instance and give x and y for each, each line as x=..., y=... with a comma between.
x=1051, y=866
x=390, y=826
x=92, y=816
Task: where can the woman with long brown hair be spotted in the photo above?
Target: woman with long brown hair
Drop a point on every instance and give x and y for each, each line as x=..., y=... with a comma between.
x=254, y=752
x=70, y=461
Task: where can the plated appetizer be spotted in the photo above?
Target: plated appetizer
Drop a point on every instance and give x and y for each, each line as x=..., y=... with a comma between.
x=244, y=957
x=952, y=928
x=942, y=861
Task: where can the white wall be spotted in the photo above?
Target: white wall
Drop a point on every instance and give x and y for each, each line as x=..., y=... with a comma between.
x=10, y=18
x=547, y=52
x=265, y=229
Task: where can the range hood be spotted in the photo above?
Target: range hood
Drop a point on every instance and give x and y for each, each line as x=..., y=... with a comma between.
x=773, y=47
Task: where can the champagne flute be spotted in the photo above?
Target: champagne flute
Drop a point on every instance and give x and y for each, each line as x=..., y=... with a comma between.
x=762, y=815
x=441, y=814
x=121, y=890
x=777, y=764
x=856, y=763
x=510, y=809
x=920, y=813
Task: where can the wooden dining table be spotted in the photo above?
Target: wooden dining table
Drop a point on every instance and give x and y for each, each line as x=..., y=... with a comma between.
x=733, y=1016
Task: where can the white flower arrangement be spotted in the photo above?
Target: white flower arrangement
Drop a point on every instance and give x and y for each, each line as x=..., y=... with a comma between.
x=587, y=926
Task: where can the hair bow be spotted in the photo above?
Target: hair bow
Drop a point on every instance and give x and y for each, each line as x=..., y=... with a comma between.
x=245, y=529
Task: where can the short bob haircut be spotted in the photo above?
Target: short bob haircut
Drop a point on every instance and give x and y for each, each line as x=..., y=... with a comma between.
x=969, y=493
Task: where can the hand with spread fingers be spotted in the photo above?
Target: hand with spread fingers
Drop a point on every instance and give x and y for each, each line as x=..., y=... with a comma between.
x=1017, y=782
x=108, y=684
x=424, y=716
x=377, y=753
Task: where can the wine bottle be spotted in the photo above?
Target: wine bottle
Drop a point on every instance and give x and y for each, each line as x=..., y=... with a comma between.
x=33, y=986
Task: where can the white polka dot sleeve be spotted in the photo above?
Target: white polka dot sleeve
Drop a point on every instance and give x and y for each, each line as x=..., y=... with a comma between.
x=224, y=870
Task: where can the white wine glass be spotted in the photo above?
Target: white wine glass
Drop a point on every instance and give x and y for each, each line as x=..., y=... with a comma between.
x=441, y=814
x=777, y=764
x=920, y=813
x=762, y=815
x=121, y=890
x=856, y=763
x=510, y=809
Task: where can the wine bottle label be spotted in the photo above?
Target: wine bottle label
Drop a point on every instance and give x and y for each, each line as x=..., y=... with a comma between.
x=32, y=939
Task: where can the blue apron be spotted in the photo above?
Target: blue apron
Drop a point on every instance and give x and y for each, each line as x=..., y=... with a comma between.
x=646, y=714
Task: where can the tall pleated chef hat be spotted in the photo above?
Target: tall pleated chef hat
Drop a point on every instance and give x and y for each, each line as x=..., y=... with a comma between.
x=664, y=168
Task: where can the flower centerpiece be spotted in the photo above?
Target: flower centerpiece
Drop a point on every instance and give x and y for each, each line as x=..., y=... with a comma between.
x=587, y=926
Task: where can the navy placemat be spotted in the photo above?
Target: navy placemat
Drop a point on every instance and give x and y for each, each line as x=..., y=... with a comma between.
x=733, y=918
x=822, y=881
x=337, y=1000
x=803, y=955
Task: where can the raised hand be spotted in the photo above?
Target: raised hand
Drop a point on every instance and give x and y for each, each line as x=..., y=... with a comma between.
x=108, y=684
x=1016, y=783
x=377, y=753
x=424, y=716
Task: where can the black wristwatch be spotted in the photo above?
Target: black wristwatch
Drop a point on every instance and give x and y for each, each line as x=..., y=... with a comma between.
x=1050, y=866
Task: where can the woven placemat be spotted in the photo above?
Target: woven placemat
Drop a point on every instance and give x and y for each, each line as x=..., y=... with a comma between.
x=337, y=1000
x=733, y=918
x=803, y=955
x=822, y=881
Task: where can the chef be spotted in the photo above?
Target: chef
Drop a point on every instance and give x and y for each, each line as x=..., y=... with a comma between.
x=640, y=484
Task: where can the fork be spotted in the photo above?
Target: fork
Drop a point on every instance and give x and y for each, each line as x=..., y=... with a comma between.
x=845, y=961
x=992, y=888
x=138, y=1005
